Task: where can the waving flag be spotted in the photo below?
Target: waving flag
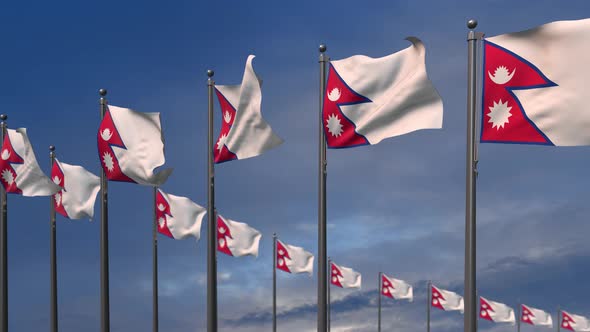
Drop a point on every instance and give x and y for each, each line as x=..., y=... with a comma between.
x=244, y=133
x=130, y=146
x=76, y=199
x=19, y=171
x=534, y=316
x=236, y=238
x=574, y=322
x=344, y=277
x=396, y=289
x=495, y=312
x=534, y=88
x=367, y=100
x=293, y=259
x=446, y=300
x=178, y=217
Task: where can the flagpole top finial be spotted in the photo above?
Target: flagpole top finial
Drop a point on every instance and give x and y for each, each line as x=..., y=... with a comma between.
x=472, y=24
x=3, y=117
x=51, y=148
x=323, y=48
x=102, y=92
x=210, y=73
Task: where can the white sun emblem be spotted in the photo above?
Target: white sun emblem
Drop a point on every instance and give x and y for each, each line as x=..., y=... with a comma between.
x=499, y=114
x=221, y=141
x=333, y=125
x=57, y=198
x=161, y=221
x=501, y=75
x=5, y=154
x=7, y=176
x=108, y=161
x=334, y=95
x=106, y=134
x=385, y=290
x=56, y=180
x=227, y=117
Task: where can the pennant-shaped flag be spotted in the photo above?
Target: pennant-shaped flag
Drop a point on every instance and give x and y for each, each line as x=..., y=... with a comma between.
x=19, y=171
x=574, y=322
x=534, y=316
x=76, y=199
x=344, y=277
x=368, y=100
x=236, y=238
x=130, y=146
x=534, y=86
x=446, y=300
x=178, y=217
x=244, y=133
x=293, y=259
x=495, y=312
x=396, y=289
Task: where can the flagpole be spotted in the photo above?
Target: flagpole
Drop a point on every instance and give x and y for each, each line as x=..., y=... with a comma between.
x=155, y=267
x=428, y=300
x=211, y=221
x=518, y=318
x=329, y=299
x=104, y=236
x=379, y=284
x=470, y=319
x=323, y=286
x=52, y=255
x=274, y=282
x=3, y=245
x=557, y=321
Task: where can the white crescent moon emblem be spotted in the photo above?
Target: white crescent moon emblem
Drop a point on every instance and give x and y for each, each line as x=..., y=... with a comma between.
x=106, y=134
x=5, y=154
x=334, y=95
x=501, y=76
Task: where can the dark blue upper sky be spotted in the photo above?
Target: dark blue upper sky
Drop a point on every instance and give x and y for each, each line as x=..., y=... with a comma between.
x=397, y=207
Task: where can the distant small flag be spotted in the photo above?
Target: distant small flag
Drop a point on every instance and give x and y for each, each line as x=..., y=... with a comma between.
x=131, y=146
x=371, y=99
x=293, y=259
x=535, y=317
x=244, y=132
x=495, y=311
x=19, y=171
x=396, y=289
x=236, y=238
x=178, y=217
x=446, y=300
x=574, y=322
x=344, y=277
x=76, y=199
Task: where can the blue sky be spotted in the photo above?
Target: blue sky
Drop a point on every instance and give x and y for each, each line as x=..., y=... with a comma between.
x=397, y=207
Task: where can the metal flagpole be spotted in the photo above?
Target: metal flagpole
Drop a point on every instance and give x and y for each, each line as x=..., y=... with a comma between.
x=470, y=319
x=104, y=236
x=274, y=282
x=211, y=220
x=52, y=256
x=155, y=267
x=379, y=289
x=557, y=321
x=519, y=311
x=323, y=286
x=3, y=245
x=328, y=291
x=428, y=305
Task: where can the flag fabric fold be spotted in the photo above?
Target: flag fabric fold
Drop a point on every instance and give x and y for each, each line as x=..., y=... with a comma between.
x=344, y=277
x=178, y=217
x=131, y=146
x=79, y=189
x=574, y=322
x=371, y=99
x=534, y=86
x=244, y=132
x=396, y=289
x=19, y=171
x=293, y=259
x=495, y=311
x=446, y=300
x=237, y=238
x=535, y=316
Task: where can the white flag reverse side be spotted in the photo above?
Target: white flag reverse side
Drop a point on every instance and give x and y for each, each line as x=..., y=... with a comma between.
x=178, y=217
x=80, y=187
x=396, y=289
x=535, y=316
x=446, y=300
x=495, y=311
x=237, y=238
x=344, y=277
x=19, y=171
x=575, y=323
x=293, y=259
